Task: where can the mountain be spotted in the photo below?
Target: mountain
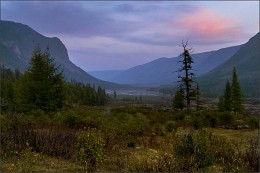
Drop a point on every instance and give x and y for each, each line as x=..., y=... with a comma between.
x=17, y=42
x=107, y=75
x=247, y=61
x=162, y=71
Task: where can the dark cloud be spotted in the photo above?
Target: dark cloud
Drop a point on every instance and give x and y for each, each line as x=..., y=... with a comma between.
x=135, y=8
x=135, y=31
x=68, y=18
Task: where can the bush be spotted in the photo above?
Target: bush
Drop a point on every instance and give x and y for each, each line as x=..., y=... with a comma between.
x=70, y=119
x=162, y=162
x=226, y=118
x=53, y=141
x=197, y=123
x=194, y=152
x=170, y=126
x=203, y=153
x=179, y=116
x=253, y=121
x=251, y=155
x=159, y=130
x=90, y=146
x=212, y=121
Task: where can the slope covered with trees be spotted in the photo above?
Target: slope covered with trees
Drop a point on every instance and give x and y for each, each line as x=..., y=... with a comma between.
x=43, y=87
x=17, y=42
x=246, y=60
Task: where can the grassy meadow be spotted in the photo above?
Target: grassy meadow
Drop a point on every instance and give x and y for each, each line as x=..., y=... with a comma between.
x=129, y=134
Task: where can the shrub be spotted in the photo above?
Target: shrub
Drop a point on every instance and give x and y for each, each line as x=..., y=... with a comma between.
x=70, y=119
x=162, y=162
x=226, y=118
x=203, y=153
x=137, y=124
x=49, y=140
x=197, y=122
x=90, y=146
x=194, y=152
x=159, y=130
x=212, y=121
x=179, y=116
x=170, y=126
x=253, y=121
x=251, y=155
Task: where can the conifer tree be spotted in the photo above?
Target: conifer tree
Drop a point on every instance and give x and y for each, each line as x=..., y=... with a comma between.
x=232, y=99
x=221, y=105
x=198, y=101
x=236, y=95
x=42, y=83
x=186, y=75
x=227, y=97
x=178, y=100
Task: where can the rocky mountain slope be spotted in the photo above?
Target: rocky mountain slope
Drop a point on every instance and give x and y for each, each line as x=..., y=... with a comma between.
x=17, y=42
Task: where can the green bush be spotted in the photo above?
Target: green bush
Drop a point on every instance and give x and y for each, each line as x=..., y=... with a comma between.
x=90, y=145
x=194, y=152
x=226, y=118
x=69, y=118
x=197, y=122
x=170, y=126
x=159, y=130
x=253, y=121
x=180, y=115
x=203, y=152
x=213, y=121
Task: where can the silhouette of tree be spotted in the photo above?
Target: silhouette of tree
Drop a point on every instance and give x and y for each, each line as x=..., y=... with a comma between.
x=186, y=75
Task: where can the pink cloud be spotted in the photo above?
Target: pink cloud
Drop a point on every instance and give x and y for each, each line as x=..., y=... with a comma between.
x=207, y=24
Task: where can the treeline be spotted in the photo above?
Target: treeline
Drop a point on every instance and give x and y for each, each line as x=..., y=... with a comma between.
x=42, y=86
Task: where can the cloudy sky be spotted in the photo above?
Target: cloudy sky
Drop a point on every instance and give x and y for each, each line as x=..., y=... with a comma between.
x=122, y=34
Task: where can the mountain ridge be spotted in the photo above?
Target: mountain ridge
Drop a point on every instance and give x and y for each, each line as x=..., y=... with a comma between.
x=162, y=71
x=246, y=60
x=17, y=42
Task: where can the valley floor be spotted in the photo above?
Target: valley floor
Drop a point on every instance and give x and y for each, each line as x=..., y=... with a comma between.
x=130, y=134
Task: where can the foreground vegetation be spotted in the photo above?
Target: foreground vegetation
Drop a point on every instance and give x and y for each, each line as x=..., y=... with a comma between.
x=128, y=138
x=48, y=124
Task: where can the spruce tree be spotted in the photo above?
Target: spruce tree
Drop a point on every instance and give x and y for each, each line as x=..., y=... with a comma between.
x=186, y=75
x=236, y=95
x=42, y=83
x=221, y=105
x=198, y=101
x=227, y=97
x=232, y=98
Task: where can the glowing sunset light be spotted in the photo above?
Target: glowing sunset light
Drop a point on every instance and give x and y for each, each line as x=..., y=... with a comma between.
x=109, y=35
x=208, y=24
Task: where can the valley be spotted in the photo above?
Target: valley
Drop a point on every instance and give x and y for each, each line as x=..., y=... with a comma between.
x=180, y=112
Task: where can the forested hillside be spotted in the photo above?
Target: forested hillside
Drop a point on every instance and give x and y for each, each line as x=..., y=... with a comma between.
x=246, y=60
x=17, y=41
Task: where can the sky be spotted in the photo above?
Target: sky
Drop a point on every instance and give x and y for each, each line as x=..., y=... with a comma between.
x=117, y=35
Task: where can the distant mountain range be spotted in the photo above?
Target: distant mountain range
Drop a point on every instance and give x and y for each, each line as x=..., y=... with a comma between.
x=213, y=69
x=17, y=42
x=162, y=71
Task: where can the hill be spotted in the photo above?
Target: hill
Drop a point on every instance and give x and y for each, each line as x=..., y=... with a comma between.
x=246, y=60
x=17, y=42
x=162, y=71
